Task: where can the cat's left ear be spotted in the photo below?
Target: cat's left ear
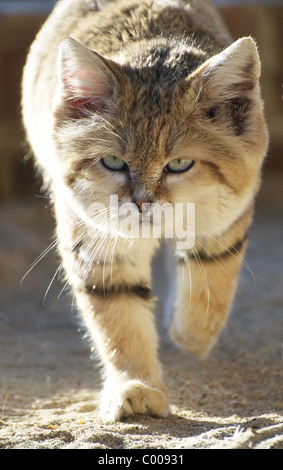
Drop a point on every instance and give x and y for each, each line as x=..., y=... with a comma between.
x=226, y=87
x=87, y=80
x=232, y=73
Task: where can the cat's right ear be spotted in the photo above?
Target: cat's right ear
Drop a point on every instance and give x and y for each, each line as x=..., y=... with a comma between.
x=87, y=81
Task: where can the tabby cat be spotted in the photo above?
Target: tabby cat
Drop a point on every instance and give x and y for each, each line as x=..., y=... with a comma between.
x=149, y=101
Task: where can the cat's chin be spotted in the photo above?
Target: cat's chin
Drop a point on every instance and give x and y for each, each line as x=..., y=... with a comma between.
x=146, y=230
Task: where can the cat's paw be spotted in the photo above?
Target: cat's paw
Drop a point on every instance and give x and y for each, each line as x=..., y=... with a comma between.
x=133, y=398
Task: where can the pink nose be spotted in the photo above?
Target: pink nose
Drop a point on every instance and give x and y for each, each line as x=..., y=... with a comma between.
x=143, y=204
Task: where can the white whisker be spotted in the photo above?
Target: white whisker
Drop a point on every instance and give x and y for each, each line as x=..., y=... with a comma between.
x=39, y=258
x=51, y=282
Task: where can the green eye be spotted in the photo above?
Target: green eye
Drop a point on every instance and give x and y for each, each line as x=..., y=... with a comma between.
x=179, y=166
x=114, y=163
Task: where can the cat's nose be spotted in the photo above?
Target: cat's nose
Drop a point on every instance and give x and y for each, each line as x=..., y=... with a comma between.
x=143, y=204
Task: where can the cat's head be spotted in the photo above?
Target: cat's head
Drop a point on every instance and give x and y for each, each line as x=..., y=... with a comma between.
x=162, y=131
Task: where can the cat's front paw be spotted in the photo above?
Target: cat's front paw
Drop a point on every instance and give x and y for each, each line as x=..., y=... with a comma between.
x=133, y=398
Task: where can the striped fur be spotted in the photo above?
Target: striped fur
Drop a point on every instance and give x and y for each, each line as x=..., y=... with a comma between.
x=148, y=82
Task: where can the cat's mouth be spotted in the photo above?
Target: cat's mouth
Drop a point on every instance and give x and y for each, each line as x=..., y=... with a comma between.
x=139, y=225
x=147, y=218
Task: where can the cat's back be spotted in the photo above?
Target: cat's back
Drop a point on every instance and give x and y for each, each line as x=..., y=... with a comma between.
x=108, y=26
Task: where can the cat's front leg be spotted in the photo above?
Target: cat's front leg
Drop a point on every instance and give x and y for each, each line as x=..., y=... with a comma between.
x=206, y=286
x=121, y=323
x=116, y=303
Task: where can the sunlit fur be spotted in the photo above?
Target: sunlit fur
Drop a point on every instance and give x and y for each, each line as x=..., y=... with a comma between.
x=148, y=82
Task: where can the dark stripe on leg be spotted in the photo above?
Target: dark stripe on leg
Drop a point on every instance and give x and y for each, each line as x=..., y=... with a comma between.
x=203, y=255
x=139, y=290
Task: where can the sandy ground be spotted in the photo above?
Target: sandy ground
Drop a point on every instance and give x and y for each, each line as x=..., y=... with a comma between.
x=50, y=381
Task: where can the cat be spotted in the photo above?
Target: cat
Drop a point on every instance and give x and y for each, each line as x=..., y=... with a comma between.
x=149, y=101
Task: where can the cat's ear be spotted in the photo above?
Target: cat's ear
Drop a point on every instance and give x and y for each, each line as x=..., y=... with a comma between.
x=87, y=80
x=234, y=71
x=227, y=85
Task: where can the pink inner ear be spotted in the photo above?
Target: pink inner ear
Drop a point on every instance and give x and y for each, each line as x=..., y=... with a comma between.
x=86, y=104
x=88, y=90
x=88, y=93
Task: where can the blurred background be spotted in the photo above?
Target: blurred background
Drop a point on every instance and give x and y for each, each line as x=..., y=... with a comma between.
x=19, y=23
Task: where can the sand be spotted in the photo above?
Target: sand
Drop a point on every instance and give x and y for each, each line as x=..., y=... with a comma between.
x=50, y=379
